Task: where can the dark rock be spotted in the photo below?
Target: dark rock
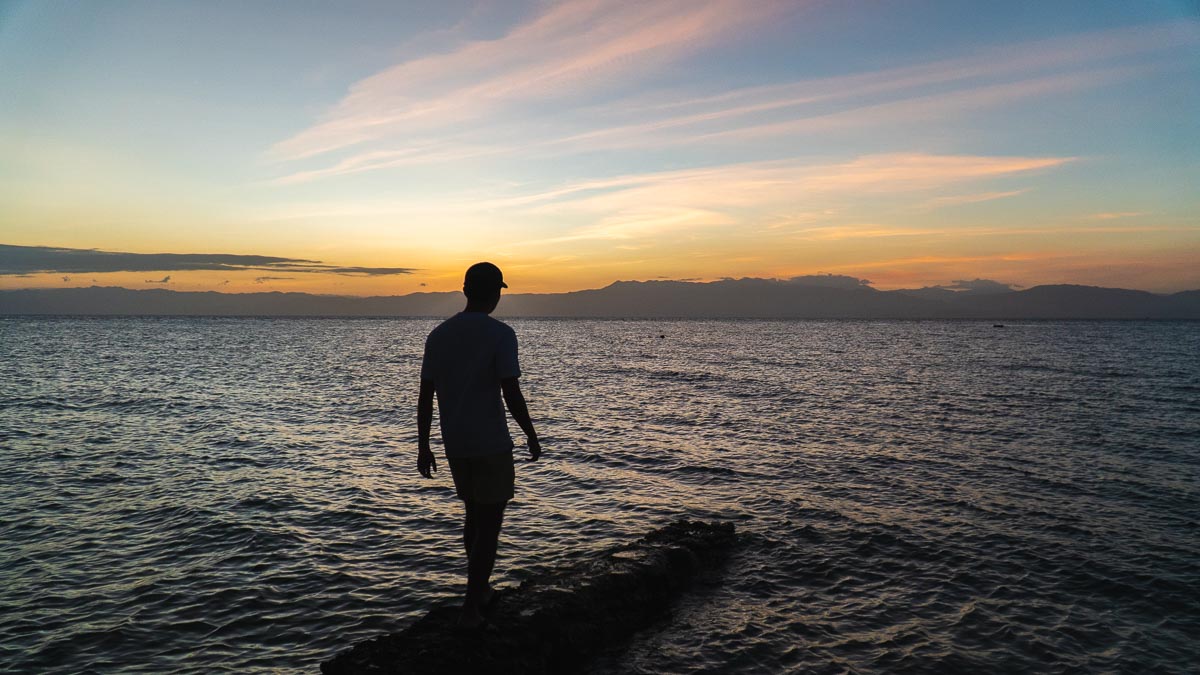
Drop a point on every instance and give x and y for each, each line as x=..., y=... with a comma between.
x=557, y=622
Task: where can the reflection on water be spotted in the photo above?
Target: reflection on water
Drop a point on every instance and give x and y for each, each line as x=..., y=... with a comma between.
x=187, y=493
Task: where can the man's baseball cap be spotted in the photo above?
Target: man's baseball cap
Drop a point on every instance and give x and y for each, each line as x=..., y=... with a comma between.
x=484, y=275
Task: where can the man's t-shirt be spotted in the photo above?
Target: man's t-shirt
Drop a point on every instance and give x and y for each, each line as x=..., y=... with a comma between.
x=465, y=358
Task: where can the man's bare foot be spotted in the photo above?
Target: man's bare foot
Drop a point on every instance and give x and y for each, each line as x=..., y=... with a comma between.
x=470, y=621
x=472, y=616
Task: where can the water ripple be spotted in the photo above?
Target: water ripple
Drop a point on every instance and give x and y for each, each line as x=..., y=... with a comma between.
x=202, y=495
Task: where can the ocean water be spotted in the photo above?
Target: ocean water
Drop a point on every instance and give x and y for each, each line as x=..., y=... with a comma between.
x=214, y=494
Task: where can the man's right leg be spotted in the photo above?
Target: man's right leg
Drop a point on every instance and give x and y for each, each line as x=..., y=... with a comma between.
x=485, y=520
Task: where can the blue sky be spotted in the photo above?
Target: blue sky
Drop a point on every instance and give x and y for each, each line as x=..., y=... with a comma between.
x=577, y=143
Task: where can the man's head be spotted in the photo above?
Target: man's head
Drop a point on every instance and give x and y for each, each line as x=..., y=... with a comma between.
x=482, y=284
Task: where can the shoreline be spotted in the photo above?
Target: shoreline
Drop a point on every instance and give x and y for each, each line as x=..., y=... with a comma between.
x=557, y=622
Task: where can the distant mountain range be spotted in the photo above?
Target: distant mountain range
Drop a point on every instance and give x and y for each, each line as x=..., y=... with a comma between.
x=815, y=297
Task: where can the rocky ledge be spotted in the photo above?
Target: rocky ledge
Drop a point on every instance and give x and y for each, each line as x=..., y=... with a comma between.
x=557, y=622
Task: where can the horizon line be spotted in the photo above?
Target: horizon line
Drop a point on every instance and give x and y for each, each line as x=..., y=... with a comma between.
x=863, y=285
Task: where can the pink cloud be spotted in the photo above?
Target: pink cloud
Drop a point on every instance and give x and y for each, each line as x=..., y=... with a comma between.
x=955, y=200
x=646, y=204
x=418, y=106
x=569, y=48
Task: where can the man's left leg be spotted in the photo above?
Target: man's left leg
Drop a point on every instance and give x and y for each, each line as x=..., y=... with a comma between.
x=469, y=527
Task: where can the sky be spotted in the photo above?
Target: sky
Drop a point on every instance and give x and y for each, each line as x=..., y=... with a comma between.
x=381, y=148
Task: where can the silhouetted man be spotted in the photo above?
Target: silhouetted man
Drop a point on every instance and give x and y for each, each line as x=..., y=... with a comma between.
x=470, y=360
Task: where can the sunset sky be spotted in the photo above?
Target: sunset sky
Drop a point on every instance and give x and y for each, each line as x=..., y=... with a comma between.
x=380, y=148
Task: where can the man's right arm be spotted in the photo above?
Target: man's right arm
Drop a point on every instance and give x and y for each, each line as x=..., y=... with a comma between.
x=519, y=410
x=425, y=460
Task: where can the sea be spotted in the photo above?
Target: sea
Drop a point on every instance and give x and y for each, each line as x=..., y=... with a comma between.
x=203, y=495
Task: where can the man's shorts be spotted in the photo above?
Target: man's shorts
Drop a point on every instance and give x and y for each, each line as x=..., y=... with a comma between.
x=484, y=480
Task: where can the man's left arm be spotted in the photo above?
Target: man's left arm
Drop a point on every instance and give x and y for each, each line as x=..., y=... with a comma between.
x=519, y=410
x=508, y=367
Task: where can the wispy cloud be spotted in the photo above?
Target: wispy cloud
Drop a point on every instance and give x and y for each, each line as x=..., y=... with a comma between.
x=863, y=231
x=843, y=231
x=923, y=107
x=932, y=261
x=836, y=232
x=1114, y=215
x=750, y=183
x=769, y=196
x=992, y=76
x=919, y=171
x=956, y=200
x=24, y=260
x=570, y=48
x=518, y=69
x=365, y=271
x=642, y=204
x=979, y=286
